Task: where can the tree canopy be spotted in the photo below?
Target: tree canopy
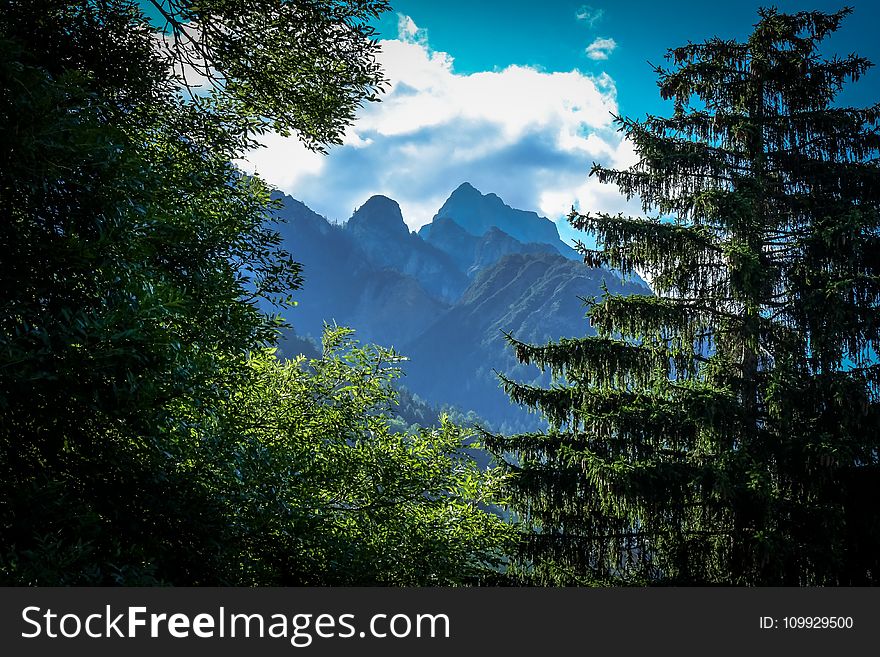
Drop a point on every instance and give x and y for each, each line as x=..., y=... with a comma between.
x=292, y=65
x=134, y=370
x=725, y=428
x=323, y=491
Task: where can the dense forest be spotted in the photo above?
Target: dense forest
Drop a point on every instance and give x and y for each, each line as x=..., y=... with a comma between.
x=163, y=422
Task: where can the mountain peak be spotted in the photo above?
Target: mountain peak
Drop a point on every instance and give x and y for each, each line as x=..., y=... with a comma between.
x=478, y=213
x=469, y=195
x=379, y=213
x=380, y=201
x=465, y=188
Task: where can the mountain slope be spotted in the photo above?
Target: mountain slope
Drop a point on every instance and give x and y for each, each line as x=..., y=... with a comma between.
x=344, y=285
x=445, y=300
x=533, y=297
x=472, y=253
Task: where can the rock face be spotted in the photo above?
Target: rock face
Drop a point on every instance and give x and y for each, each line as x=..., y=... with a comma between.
x=445, y=297
x=344, y=284
x=478, y=213
x=378, y=228
x=379, y=215
x=447, y=236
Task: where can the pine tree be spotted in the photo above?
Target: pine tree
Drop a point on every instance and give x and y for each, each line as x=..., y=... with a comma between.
x=725, y=429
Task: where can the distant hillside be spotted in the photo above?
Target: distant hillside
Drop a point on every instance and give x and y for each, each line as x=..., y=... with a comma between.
x=533, y=297
x=444, y=297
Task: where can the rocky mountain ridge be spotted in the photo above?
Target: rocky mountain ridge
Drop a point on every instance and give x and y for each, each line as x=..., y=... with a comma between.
x=444, y=296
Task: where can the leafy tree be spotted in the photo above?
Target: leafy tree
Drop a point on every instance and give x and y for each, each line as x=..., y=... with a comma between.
x=724, y=430
x=319, y=490
x=120, y=297
x=148, y=433
x=293, y=65
x=132, y=251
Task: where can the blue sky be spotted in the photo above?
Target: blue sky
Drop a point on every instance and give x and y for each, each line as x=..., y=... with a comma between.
x=491, y=35
x=515, y=97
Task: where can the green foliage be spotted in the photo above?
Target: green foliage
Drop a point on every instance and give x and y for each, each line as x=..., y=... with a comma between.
x=127, y=245
x=296, y=66
x=724, y=430
x=146, y=435
x=321, y=491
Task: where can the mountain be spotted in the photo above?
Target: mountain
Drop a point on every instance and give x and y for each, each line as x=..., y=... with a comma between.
x=478, y=213
x=378, y=228
x=533, y=297
x=345, y=285
x=473, y=254
x=444, y=297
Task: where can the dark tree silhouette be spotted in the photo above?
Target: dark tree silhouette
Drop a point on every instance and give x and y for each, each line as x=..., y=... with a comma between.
x=725, y=429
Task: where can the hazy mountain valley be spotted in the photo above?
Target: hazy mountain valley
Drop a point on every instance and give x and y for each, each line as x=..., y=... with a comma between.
x=445, y=296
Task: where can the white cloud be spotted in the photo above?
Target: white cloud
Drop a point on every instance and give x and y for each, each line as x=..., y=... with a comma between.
x=528, y=136
x=193, y=74
x=601, y=48
x=409, y=32
x=589, y=15
x=284, y=161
